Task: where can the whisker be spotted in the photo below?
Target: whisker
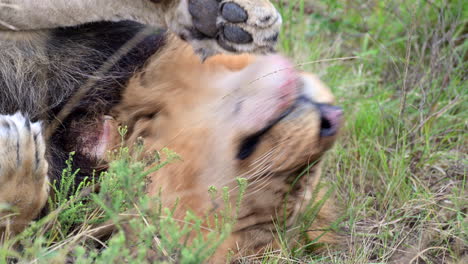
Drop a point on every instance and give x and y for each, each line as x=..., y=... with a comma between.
x=260, y=174
x=261, y=184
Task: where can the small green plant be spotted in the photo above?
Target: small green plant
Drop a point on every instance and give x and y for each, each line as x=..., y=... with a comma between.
x=67, y=198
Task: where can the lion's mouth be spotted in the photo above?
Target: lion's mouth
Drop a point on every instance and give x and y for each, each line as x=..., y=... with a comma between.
x=330, y=122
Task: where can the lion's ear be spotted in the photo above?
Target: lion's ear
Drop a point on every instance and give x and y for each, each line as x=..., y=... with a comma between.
x=107, y=139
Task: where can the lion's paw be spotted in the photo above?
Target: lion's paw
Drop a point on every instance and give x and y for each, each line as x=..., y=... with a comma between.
x=214, y=26
x=23, y=171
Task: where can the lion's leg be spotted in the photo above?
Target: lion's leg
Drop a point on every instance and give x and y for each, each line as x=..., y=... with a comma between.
x=24, y=184
x=20, y=15
x=210, y=26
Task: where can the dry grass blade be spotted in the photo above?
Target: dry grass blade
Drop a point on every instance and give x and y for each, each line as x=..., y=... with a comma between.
x=304, y=64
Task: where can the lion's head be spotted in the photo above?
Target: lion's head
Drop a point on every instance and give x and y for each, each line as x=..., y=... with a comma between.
x=229, y=117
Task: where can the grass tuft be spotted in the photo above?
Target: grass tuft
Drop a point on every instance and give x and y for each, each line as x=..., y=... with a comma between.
x=400, y=167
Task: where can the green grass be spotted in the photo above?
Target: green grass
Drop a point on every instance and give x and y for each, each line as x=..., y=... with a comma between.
x=399, y=70
x=400, y=166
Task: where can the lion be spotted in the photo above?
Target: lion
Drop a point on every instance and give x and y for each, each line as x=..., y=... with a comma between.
x=49, y=49
x=211, y=26
x=249, y=116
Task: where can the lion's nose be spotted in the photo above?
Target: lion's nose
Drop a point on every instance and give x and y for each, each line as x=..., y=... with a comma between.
x=330, y=119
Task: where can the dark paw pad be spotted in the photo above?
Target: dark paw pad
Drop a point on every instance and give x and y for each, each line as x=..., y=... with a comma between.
x=237, y=35
x=205, y=15
x=234, y=13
